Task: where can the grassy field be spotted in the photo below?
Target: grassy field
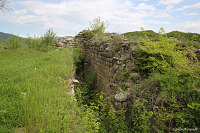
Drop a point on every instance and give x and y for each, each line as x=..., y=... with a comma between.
x=33, y=93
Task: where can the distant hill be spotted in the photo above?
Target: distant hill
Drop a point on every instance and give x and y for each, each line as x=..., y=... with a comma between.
x=5, y=36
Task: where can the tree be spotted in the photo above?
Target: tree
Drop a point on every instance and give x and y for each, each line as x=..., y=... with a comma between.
x=98, y=26
x=3, y=4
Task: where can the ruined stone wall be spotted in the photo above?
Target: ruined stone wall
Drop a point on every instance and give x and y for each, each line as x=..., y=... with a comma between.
x=109, y=58
x=65, y=41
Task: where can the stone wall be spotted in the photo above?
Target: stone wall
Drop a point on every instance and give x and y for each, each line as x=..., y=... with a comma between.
x=114, y=59
x=65, y=41
x=109, y=58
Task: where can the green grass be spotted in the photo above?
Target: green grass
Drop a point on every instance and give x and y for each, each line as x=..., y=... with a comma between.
x=33, y=93
x=184, y=39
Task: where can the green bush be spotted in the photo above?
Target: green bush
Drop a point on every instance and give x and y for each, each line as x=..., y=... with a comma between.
x=109, y=120
x=162, y=55
x=48, y=41
x=186, y=39
x=96, y=27
x=2, y=45
x=33, y=43
x=14, y=42
x=43, y=43
x=171, y=97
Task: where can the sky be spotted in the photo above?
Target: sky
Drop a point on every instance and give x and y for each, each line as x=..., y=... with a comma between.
x=69, y=17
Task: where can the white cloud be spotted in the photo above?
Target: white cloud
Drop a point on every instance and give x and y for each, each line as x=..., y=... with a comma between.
x=143, y=6
x=192, y=14
x=162, y=14
x=69, y=17
x=158, y=22
x=188, y=6
x=189, y=26
x=170, y=2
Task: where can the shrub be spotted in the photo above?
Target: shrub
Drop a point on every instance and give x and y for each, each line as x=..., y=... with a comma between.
x=43, y=43
x=48, y=40
x=96, y=27
x=33, y=43
x=2, y=45
x=14, y=42
x=162, y=55
x=174, y=101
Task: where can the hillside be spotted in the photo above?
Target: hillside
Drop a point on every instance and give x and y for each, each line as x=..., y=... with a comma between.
x=5, y=36
x=185, y=39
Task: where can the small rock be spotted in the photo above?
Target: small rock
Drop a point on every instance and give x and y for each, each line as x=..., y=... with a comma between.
x=134, y=74
x=121, y=97
x=115, y=58
x=119, y=62
x=75, y=81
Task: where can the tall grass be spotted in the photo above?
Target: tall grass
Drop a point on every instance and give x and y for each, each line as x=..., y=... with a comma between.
x=33, y=93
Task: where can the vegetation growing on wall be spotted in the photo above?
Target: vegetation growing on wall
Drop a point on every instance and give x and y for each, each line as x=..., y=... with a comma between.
x=166, y=96
x=171, y=97
x=183, y=39
x=96, y=27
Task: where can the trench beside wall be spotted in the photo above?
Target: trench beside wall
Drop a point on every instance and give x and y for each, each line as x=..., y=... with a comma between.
x=109, y=58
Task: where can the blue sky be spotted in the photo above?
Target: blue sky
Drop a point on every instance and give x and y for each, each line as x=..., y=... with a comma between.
x=68, y=17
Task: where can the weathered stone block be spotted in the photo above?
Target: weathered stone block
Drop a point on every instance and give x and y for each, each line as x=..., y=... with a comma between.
x=121, y=97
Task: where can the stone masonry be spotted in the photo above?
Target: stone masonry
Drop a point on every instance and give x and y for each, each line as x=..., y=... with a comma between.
x=65, y=41
x=109, y=58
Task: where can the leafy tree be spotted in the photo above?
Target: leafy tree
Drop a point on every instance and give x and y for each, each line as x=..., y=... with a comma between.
x=96, y=27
